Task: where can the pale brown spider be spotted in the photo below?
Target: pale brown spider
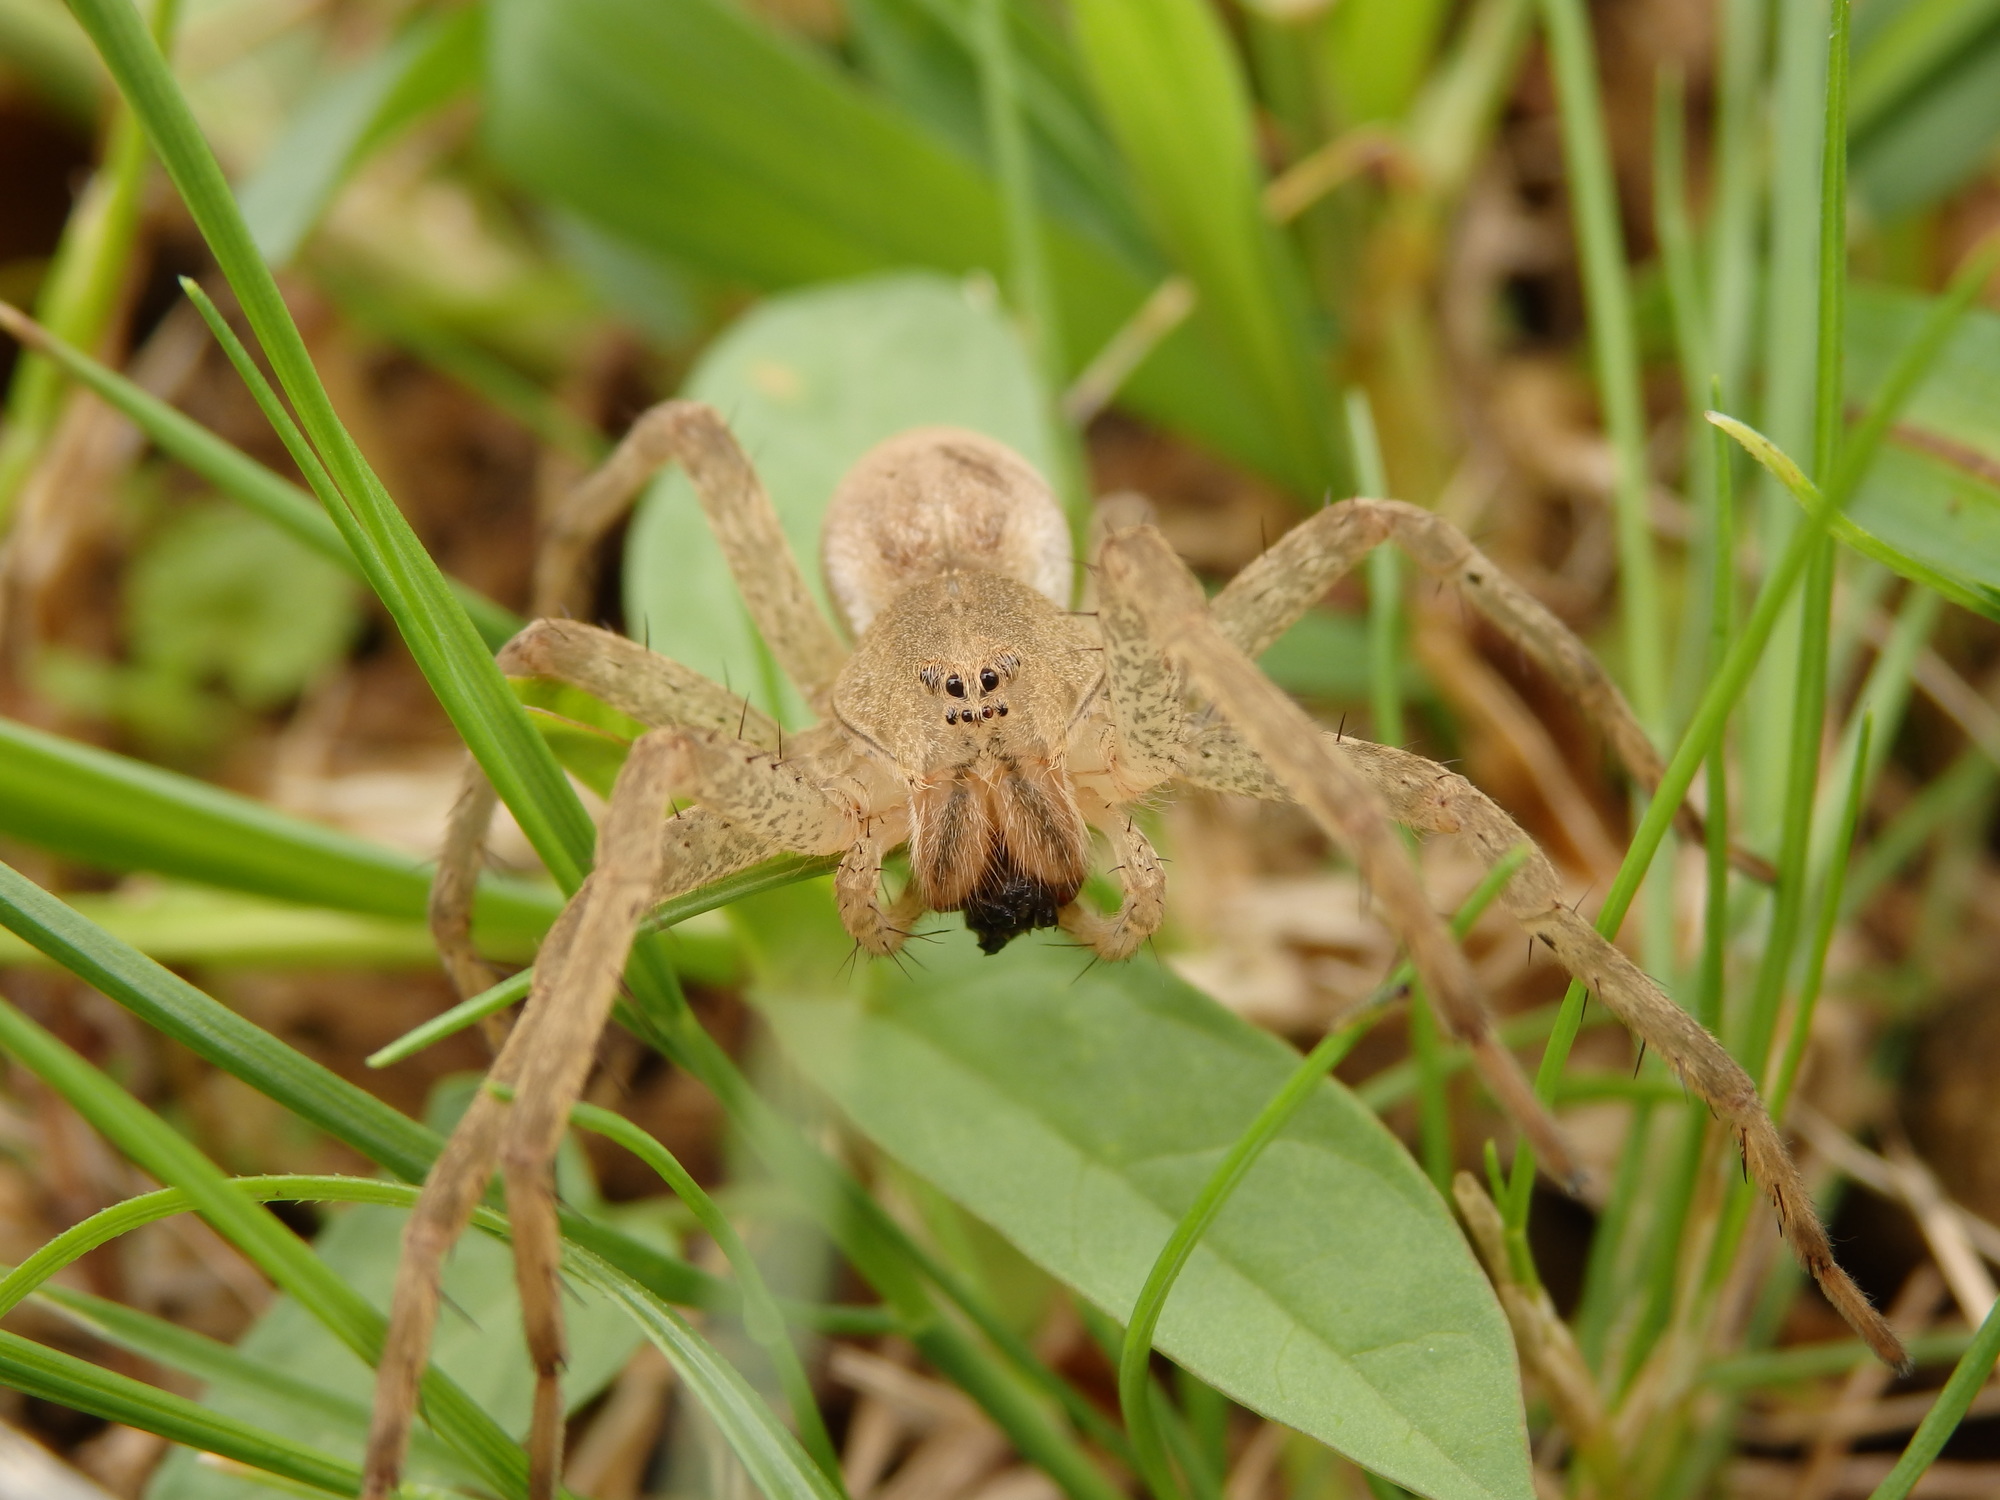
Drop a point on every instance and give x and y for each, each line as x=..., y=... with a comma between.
x=980, y=721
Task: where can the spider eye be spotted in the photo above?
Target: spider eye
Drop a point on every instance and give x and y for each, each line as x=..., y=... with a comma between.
x=988, y=679
x=955, y=685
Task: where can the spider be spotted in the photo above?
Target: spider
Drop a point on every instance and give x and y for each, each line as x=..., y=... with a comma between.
x=995, y=732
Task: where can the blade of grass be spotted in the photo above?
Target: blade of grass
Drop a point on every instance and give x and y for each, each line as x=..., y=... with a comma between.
x=228, y=468
x=1942, y=1420
x=209, y=1029
x=1746, y=648
x=80, y=293
x=158, y=1149
x=496, y=998
x=1134, y=1361
x=1614, y=349
x=436, y=629
x=116, y=813
x=290, y=1403
x=1829, y=918
x=1753, y=1039
x=1733, y=219
x=1810, y=1362
x=761, y=1316
x=64, y=1379
x=1167, y=79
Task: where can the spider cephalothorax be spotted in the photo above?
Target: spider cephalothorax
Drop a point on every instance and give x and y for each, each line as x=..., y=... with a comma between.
x=978, y=720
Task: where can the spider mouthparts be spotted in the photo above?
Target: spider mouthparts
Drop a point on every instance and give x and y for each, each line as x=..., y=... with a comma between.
x=1000, y=912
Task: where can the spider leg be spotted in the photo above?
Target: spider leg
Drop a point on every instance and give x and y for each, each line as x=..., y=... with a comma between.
x=1276, y=589
x=1141, y=569
x=857, y=893
x=752, y=804
x=740, y=513
x=1144, y=884
x=1432, y=799
x=656, y=690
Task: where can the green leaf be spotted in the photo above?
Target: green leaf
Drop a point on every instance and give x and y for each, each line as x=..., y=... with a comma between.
x=1166, y=75
x=1079, y=1114
x=809, y=382
x=352, y=115
x=1929, y=504
x=1926, y=104
x=221, y=594
x=763, y=163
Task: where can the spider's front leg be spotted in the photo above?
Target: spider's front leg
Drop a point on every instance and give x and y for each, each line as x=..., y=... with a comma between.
x=1237, y=757
x=1296, y=571
x=1154, y=618
x=753, y=805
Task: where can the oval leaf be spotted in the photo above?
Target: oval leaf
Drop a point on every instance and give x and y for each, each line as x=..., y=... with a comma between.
x=1929, y=506
x=1080, y=1114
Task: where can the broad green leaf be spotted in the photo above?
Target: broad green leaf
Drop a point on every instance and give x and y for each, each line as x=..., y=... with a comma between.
x=694, y=132
x=351, y=115
x=1929, y=506
x=1080, y=1112
x=809, y=382
x=923, y=55
x=1167, y=78
x=1926, y=100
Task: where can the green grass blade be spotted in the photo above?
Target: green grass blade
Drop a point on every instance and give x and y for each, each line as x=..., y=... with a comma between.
x=496, y=998
x=116, y=813
x=1614, y=348
x=212, y=1031
x=761, y=1317
x=440, y=636
x=761, y=1444
x=1829, y=918
x=359, y=111
x=158, y=1149
x=1167, y=78
x=1752, y=1036
x=1942, y=1420
x=68, y=1381
x=228, y=468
